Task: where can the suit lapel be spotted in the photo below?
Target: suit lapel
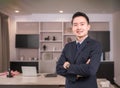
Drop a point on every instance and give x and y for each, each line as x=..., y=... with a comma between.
x=73, y=50
x=83, y=45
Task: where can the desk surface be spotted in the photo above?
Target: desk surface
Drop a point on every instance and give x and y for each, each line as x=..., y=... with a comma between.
x=39, y=80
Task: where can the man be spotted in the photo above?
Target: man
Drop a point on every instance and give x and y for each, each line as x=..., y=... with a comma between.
x=80, y=59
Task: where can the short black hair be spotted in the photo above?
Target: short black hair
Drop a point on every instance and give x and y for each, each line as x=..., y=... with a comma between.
x=77, y=14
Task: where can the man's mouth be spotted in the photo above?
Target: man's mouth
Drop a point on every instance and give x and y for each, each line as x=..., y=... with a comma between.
x=79, y=31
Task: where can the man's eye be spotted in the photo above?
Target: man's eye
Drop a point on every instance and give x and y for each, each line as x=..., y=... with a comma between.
x=82, y=24
x=75, y=25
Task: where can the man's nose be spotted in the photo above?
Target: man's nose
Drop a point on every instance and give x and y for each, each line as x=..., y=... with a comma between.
x=78, y=27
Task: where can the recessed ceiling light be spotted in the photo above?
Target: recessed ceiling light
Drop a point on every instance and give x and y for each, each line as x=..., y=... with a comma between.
x=17, y=11
x=61, y=11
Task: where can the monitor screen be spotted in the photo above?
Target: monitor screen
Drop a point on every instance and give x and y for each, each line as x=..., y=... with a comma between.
x=103, y=37
x=27, y=41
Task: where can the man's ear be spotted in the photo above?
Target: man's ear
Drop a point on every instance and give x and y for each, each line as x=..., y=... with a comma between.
x=89, y=26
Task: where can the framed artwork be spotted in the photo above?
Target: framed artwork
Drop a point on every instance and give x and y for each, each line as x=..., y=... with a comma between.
x=47, y=56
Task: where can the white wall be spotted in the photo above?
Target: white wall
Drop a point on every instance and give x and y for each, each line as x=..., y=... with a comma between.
x=0, y=49
x=12, y=32
x=116, y=45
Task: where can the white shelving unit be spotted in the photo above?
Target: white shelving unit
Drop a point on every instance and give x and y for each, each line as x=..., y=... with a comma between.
x=52, y=38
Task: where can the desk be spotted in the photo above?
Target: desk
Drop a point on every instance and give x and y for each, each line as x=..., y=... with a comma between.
x=35, y=82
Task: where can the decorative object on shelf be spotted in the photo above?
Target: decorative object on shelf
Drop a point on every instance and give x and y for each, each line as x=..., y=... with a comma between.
x=54, y=48
x=47, y=38
x=69, y=40
x=44, y=47
x=35, y=58
x=54, y=38
x=29, y=58
x=32, y=58
x=47, y=56
x=22, y=58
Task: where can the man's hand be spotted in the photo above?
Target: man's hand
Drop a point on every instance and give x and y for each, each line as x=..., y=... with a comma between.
x=66, y=65
x=88, y=61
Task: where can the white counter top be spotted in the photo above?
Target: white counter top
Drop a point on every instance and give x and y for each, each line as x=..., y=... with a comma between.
x=40, y=80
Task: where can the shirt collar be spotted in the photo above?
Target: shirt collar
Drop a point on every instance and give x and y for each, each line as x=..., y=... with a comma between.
x=81, y=41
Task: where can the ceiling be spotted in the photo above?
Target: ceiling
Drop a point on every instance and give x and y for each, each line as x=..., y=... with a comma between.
x=53, y=6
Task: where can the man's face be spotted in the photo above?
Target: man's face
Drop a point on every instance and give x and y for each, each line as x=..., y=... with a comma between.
x=80, y=27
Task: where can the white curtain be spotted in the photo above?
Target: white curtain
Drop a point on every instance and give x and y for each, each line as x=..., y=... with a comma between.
x=0, y=48
x=4, y=43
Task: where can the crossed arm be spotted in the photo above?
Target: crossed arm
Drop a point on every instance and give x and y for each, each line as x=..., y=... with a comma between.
x=66, y=65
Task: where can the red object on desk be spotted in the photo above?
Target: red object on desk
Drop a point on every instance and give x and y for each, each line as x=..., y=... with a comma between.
x=3, y=73
x=12, y=72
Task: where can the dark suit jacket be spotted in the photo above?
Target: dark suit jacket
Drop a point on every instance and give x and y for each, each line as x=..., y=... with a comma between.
x=90, y=49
